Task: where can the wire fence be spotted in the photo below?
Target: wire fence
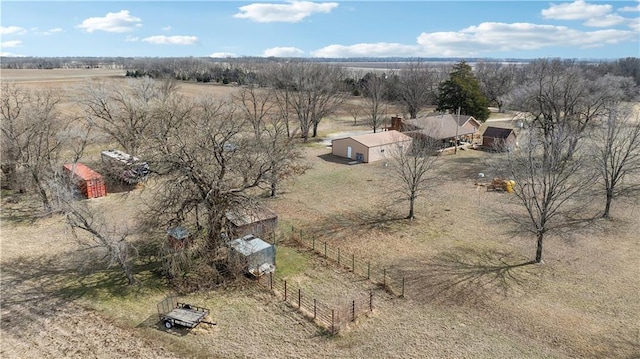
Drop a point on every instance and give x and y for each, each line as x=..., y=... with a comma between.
x=333, y=318
x=390, y=279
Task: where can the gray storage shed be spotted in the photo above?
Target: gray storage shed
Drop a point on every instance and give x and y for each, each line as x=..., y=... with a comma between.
x=258, y=256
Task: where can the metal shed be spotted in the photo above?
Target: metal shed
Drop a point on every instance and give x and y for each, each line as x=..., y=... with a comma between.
x=258, y=256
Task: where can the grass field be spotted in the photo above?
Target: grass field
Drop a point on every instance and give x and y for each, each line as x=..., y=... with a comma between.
x=469, y=290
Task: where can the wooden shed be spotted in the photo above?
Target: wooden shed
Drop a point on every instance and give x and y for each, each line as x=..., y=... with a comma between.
x=89, y=182
x=179, y=237
x=369, y=147
x=498, y=138
x=256, y=220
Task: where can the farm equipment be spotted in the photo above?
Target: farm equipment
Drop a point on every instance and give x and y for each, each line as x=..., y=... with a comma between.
x=172, y=313
x=498, y=184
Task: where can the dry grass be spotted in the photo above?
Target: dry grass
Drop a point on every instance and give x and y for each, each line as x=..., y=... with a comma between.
x=469, y=294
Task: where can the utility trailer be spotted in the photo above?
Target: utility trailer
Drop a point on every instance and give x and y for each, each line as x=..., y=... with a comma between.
x=172, y=313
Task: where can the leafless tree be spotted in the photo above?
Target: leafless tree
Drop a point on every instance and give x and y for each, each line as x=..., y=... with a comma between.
x=91, y=229
x=560, y=93
x=374, y=93
x=496, y=80
x=256, y=104
x=211, y=165
x=411, y=163
x=549, y=174
x=313, y=93
x=418, y=86
x=282, y=151
x=32, y=137
x=617, y=153
x=125, y=113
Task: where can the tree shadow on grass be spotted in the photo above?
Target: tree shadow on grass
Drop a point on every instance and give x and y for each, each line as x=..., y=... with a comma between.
x=467, y=277
x=356, y=222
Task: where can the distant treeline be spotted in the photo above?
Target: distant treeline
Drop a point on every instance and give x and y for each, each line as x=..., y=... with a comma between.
x=241, y=69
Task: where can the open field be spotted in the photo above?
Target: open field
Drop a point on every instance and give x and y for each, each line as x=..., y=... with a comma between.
x=469, y=290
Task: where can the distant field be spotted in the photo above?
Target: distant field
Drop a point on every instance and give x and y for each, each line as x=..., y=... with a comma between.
x=467, y=293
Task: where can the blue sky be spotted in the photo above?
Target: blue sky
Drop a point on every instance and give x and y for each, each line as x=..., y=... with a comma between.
x=491, y=29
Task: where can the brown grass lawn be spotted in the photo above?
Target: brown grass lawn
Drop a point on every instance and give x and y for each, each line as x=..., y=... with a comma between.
x=469, y=292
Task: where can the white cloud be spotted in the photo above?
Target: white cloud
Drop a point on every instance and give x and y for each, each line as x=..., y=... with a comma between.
x=577, y=10
x=171, y=40
x=605, y=21
x=222, y=55
x=166, y=28
x=631, y=8
x=492, y=36
x=283, y=52
x=488, y=37
x=13, y=43
x=634, y=24
x=52, y=31
x=292, y=11
x=132, y=39
x=380, y=49
x=112, y=22
x=12, y=30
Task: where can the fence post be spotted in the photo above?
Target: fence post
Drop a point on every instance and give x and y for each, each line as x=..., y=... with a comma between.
x=371, y=301
x=332, y=323
x=325, y=249
x=313, y=243
x=271, y=280
x=314, y=308
x=368, y=270
x=402, y=287
x=299, y=297
x=353, y=310
x=285, y=290
x=384, y=277
x=353, y=263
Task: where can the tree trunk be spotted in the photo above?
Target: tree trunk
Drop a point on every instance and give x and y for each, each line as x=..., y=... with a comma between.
x=539, y=247
x=412, y=201
x=315, y=129
x=607, y=206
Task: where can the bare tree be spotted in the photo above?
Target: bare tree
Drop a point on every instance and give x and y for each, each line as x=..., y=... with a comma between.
x=255, y=104
x=496, y=81
x=411, y=162
x=32, y=137
x=617, y=153
x=125, y=113
x=374, y=93
x=549, y=174
x=417, y=87
x=113, y=239
x=314, y=93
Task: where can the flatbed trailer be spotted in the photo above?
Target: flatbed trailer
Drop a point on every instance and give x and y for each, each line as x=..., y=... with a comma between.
x=172, y=313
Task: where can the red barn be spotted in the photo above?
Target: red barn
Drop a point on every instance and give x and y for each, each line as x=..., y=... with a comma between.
x=89, y=182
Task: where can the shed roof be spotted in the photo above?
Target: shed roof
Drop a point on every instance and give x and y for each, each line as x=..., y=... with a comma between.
x=440, y=126
x=498, y=132
x=379, y=138
x=178, y=233
x=246, y=215
x=248, y=245
x=82, y=171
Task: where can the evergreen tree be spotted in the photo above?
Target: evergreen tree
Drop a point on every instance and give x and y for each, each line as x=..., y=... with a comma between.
x=462, y=90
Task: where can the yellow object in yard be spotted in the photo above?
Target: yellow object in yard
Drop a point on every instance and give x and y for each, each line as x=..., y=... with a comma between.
x=509, y=185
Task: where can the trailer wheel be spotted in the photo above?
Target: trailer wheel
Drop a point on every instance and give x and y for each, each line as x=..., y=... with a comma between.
x=168, y=324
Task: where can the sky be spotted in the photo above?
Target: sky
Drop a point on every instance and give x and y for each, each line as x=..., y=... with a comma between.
x=337, y=29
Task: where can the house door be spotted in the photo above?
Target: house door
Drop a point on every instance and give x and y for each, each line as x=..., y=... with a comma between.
x=348, y=151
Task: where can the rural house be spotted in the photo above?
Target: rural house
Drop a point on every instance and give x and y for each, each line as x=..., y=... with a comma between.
x=442, y=127
x=369, y=147
x=259, y=221
x=499, y=138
